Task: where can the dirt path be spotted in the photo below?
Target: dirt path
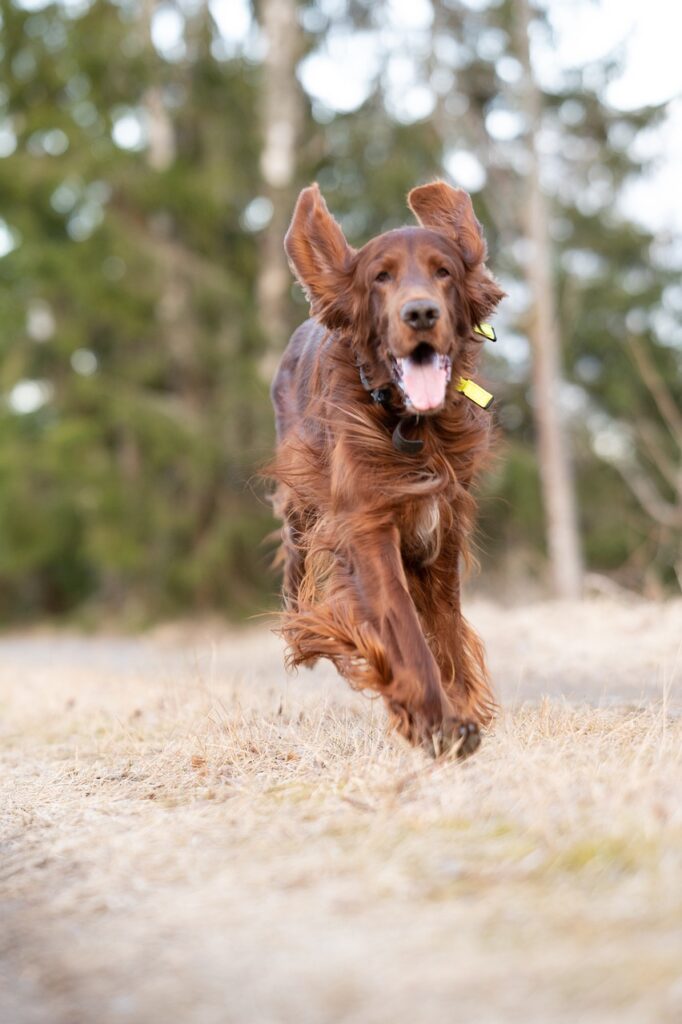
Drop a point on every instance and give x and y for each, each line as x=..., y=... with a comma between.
x=189, y=837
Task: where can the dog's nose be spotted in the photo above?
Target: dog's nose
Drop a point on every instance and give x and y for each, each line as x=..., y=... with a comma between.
x=420, y=314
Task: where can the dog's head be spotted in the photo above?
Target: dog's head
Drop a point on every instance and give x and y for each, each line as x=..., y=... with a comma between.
x=409, y=299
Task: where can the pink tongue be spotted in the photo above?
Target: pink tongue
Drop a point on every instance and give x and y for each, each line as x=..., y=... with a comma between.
x=424, y=383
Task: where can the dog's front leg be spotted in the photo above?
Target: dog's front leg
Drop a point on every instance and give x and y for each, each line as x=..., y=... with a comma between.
x=414, y=695
x=456, y=646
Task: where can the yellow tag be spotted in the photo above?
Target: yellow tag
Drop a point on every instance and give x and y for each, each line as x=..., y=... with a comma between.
x=475, y=393
x=487, y=330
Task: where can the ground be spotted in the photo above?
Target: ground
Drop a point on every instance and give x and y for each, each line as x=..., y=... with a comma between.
x=189, y=837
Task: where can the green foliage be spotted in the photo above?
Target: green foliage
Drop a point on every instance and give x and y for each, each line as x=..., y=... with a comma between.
x=616, y=287
x=131, y=481
x=128, y=303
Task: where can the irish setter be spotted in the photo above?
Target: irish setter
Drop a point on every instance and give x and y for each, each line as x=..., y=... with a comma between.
x=378, y=446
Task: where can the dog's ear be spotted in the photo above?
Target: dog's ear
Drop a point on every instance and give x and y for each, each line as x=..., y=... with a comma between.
x=321, y=258
x=448, y=209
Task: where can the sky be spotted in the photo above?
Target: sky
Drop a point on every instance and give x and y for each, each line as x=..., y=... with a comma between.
x=584, y=30
x=649, y=35
x=339, y=76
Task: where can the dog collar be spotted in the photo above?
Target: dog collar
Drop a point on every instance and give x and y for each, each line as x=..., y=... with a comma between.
x=474, y=392
x=412, y=446
x=469, y=388
x=380, y=396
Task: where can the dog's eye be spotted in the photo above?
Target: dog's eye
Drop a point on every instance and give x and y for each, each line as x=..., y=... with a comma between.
x=442, y=272
x=382, y=277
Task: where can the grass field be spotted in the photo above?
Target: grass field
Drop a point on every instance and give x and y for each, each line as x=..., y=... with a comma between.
x=188, y=836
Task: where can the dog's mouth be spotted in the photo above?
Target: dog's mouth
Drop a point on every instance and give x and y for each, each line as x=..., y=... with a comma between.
x=423, y=377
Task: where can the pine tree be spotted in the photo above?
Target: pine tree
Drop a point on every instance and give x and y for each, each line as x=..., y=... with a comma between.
x=602, y=271
x=128, y=302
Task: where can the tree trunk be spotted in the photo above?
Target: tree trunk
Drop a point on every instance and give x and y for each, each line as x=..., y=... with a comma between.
x=282, y=114
x=161, y=149
x=173, y=307
x=558, y=490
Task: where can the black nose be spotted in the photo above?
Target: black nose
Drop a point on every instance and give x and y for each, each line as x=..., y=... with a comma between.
x=420, y=314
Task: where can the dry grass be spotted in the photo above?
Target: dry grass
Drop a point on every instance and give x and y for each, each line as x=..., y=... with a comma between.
x=187, y=838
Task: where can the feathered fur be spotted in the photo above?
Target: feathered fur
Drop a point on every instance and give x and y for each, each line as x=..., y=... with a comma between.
x=373, y=539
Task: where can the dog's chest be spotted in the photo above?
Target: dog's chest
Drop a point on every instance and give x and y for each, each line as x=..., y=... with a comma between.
x=421, y=531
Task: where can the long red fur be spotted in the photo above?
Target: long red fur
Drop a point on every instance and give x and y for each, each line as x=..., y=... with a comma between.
x=373, y=539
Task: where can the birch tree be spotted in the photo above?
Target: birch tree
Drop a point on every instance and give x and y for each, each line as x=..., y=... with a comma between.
x=558, y=490
x=282, y=105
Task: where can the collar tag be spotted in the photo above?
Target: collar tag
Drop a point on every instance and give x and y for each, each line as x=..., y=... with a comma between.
x=475, y=393
x=486, y=331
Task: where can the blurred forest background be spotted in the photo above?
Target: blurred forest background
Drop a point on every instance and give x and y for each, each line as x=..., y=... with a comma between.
x=150, y=156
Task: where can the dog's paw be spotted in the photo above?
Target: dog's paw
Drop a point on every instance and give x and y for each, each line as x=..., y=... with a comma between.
x=456, y=739
x=466, y=739
x=452, y=737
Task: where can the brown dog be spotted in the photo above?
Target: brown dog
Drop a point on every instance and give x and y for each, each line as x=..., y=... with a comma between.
x=378, y=445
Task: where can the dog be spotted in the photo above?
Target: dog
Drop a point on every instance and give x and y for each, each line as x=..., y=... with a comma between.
x=380, y=434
